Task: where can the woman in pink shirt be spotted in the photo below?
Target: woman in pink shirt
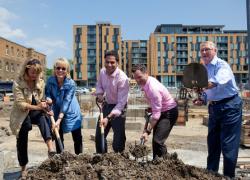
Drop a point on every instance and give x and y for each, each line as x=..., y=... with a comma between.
x=164, y=109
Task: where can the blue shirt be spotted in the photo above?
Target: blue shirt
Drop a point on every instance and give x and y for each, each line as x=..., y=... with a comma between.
x=64, y=100
x=220, y=73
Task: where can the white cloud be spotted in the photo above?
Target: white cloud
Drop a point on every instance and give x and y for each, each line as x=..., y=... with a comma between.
x=46, y=44
x=50, y=47
x=5, y=29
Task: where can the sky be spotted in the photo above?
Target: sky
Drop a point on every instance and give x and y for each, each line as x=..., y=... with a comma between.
x=46, y=25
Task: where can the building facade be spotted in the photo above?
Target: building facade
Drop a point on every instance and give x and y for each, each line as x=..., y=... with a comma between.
x=173, y=46
x=89, y=47
x=134, y=52
x=167, y=52
x=12, y=55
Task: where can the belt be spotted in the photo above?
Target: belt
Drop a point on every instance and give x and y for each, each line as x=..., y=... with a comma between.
x=223, y=100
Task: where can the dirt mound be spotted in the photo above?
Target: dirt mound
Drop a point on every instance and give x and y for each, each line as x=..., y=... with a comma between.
x=138, y=150
x=116, y=166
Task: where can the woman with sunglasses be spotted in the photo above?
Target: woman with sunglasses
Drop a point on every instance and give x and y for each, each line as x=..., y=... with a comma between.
x=60, y=92
x=28, y=109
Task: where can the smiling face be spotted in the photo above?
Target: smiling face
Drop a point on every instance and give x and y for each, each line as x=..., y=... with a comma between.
x=60, y=70
x=208, y=51
x=140, y=77
x=110, y=64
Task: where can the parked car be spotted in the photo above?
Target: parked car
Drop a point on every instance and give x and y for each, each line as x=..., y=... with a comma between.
x=82, y=90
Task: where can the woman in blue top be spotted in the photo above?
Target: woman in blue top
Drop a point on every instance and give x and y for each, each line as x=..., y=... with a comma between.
x=60, y=91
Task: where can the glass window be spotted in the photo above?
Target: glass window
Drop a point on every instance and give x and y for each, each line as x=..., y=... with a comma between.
x=190, y=38
x=1, y=66
x=159, y=53
x=158, y=39
x=7, y=51
x=164, y=39
x=7, y=66
x=172, y=39
x=12, y=68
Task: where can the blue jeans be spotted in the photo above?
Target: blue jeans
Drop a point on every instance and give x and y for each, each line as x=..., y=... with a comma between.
x=224, y=128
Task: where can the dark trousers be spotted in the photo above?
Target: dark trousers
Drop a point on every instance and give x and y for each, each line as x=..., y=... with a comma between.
x=34, y=117
x=161, y=131
x=118, y=127
x=224, y=129
x=77, y=138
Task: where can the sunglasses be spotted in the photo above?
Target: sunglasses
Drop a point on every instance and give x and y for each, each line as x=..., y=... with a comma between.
x=61, y=68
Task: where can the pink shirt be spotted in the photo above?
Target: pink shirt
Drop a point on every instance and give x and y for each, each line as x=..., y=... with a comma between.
x=115, y=87
x=158, y=97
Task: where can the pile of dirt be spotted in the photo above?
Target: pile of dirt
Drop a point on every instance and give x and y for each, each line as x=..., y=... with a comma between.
x=139, y=150
x=116, y=166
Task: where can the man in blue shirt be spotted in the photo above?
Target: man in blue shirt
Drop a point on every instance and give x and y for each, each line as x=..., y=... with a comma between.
x=225, y=111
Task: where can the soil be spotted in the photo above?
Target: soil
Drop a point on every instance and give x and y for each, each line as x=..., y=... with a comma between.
x=117, y=166
x=138, y=150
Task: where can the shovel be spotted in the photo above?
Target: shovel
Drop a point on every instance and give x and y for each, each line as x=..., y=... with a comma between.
x=100, y=106
x=147, y=114
x=56, y=133
x=195, y=77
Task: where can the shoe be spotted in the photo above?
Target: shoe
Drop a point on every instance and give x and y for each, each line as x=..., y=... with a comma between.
x=51, y=154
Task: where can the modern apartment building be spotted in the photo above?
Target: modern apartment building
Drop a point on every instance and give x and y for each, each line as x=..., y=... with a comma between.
x=169, y=49
x=173, y=46
x=12, y=55
x=134, y=52
x=89, y=47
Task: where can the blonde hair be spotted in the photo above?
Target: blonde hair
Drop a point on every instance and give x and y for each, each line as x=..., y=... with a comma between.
x=32, y=63
x=63, y=61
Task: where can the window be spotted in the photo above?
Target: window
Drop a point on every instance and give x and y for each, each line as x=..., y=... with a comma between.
x=158, y=39
x=7, y=66
x=12, y=68
x=172, y=39
x=190, y=38
x=7, y=50
x=12, y=51
x=1, y=66
x=18, y=53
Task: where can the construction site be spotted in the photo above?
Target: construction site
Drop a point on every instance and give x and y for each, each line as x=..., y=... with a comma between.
x=187, y=146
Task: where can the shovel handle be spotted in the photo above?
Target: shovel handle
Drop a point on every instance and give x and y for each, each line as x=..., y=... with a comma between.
x=57, y=133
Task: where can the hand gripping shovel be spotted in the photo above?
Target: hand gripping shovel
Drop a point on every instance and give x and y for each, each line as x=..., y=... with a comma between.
x=100, y=106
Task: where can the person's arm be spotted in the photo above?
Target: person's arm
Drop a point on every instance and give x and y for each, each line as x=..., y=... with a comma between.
x=122, y=95
x=222, y=76
x=68, y=96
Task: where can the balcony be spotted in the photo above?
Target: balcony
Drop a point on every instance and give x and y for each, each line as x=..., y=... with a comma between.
x=181, y=48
